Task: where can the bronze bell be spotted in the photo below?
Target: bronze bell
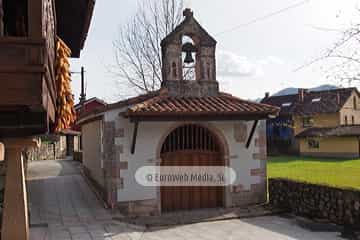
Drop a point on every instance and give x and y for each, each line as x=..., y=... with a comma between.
x=189, y=48
x=189, y=58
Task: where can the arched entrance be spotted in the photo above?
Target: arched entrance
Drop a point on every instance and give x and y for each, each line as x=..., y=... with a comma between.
x=191, y=145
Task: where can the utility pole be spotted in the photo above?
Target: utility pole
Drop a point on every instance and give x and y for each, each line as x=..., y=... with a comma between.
x=83, y=93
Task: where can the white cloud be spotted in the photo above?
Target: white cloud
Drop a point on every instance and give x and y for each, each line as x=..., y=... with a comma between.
x=231, y=64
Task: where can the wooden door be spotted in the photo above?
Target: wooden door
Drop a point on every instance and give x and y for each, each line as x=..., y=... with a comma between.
x=193, y=197
x=191, y=145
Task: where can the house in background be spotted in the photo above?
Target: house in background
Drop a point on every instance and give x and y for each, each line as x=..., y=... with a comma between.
x=188, y=122
x=86, y=106
x=279, y=131
x=319, y=123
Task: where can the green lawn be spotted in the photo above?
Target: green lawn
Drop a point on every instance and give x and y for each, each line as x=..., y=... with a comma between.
x=333, y=172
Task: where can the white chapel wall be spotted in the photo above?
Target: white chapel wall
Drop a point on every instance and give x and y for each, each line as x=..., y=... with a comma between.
x=148, y=138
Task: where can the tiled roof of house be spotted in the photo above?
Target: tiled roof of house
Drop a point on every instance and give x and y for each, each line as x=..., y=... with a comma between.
x=340, y=131
x=329, y=101
x=223, y=105
x=94, y=99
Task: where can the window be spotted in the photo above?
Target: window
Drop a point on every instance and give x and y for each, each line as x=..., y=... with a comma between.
x=15, y=19
x=190, y=137
x=288, y=104
x=346, y=120
x=308, y=122
x=316, y=100
x=313, y=143
x=352, y=120
x=354, y=103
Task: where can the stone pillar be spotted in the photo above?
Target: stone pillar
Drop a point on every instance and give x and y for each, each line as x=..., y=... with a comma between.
x=15, y=224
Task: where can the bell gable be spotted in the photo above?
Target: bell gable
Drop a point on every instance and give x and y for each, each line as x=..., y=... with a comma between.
x=189, y=65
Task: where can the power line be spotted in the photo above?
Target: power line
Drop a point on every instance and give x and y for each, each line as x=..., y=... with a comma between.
x=258, y=19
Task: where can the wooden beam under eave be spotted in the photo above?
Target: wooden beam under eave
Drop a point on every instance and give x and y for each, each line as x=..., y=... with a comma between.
x=252, y=133
x=133, y=145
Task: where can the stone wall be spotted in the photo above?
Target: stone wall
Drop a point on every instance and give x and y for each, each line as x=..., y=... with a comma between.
x=49, y=149
x=139, y=208
x=110, y=155
x=340, y=206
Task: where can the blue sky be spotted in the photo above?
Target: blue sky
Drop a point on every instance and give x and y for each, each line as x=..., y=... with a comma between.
x=251, y=60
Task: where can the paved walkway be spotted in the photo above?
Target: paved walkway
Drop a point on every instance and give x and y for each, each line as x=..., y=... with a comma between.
x=64, y=208
x=269, y=228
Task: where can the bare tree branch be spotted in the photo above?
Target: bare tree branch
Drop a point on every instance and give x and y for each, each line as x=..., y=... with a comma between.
x=137, y=50
x=342, y=60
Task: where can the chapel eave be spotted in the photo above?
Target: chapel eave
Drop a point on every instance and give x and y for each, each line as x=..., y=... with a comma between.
x=196, y=117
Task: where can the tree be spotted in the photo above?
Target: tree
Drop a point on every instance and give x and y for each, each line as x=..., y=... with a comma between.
x=342, y=59
x=138, y=59
x=344, y=56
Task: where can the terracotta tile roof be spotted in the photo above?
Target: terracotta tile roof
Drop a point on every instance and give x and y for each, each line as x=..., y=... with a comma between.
x=223, y=105
x=160, y=104
x=340, y=131
x=330, y=101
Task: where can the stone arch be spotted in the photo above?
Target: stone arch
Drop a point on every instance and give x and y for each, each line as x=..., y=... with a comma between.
x=189, y=48
x=224, y=152
x=224, y=147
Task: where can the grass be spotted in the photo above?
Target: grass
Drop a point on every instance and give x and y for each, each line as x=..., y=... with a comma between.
x=333, y=172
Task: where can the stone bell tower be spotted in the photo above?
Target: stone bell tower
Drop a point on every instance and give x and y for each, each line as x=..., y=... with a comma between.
x=189, y=65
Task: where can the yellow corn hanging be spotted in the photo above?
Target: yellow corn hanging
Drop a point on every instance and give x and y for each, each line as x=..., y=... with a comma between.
x=65, y=113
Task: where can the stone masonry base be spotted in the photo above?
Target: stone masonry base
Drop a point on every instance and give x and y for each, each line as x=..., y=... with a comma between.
x=238, y=198
x=139, y=208
x=256, y=195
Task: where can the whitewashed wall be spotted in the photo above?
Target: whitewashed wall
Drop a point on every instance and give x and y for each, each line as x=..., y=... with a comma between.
x=148, y=138
x=241, y=158
x=92, y=157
